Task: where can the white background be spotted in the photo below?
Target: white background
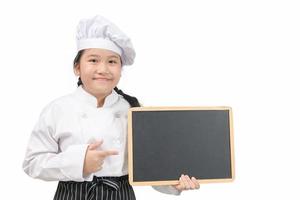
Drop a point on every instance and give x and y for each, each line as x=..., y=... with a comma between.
x=242, y=54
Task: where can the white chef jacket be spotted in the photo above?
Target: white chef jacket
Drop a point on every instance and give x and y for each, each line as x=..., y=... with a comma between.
x=59, y=140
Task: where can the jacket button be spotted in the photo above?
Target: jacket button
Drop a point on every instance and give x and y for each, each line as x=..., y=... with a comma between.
x=84, y=116
x=117, y=141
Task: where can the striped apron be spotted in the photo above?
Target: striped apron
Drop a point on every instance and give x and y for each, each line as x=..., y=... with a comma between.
x=101, y=188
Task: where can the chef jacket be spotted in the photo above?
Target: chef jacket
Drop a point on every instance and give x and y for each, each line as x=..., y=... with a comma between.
x=59, y=140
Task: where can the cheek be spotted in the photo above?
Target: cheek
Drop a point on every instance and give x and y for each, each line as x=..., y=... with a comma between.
x=116, y=73
x=85, y=70
x=117, y=79
x=85, y=75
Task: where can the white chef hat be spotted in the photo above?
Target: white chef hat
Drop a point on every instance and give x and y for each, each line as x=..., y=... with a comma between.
x=98, y=32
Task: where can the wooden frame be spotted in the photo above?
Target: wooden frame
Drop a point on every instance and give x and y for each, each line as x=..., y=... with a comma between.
x=173, y=182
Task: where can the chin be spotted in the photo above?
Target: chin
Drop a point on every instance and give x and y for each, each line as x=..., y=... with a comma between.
x=103, y=90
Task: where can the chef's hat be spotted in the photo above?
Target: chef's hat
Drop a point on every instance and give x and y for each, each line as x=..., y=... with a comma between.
x=98, y=32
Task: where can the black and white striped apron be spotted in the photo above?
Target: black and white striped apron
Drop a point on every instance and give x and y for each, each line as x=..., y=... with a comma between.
x=101, y=188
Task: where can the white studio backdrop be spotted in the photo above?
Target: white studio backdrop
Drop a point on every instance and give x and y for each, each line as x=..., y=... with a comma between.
x=243, y=54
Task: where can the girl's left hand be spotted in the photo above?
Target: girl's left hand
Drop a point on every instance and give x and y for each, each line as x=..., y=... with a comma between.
x=185, y=183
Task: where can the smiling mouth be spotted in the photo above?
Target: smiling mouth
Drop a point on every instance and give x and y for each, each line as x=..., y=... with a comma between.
x=102, y=79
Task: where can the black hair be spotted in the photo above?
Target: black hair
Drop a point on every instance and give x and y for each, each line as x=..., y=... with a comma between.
x=133, y=101
x=75, y=62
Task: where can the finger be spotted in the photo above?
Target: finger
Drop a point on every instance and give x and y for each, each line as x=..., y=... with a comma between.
x=95, y=145
x=181, y=185
x=108, y=153
x=191, y=183
x=99, y=168
x=196, y=182
x=186, y=182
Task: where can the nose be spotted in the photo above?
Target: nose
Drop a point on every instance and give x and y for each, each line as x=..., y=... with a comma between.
x=102, y=68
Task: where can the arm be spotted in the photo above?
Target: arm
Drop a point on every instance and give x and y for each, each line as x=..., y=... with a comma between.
x=167, y=189
x=185, y=183
x=43, y=159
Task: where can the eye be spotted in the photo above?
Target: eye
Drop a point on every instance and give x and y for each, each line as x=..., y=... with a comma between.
x=112, y=62
x=93, y=60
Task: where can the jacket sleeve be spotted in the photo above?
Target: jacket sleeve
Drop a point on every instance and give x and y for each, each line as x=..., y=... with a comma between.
x=167, y=189
x=43, y=158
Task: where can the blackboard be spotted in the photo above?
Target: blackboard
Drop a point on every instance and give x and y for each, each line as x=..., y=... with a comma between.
x=165, y=142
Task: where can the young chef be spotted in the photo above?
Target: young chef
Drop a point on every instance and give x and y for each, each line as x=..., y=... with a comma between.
x=80, y=139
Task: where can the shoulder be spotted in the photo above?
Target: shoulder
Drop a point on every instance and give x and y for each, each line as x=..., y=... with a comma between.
x=58, y=105
x=122, y=101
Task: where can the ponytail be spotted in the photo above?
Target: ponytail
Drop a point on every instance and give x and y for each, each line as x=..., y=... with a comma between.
x=130, y=99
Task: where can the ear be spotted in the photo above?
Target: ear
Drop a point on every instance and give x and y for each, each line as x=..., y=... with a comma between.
x=76, y=70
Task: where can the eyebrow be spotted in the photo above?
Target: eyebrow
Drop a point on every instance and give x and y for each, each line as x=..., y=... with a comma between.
x=113, y=56
x=95, y=55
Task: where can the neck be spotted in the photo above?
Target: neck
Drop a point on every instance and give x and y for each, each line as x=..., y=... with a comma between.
x=100, y=101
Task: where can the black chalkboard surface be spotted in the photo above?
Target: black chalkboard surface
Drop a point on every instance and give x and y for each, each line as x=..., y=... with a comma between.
x=165, y=142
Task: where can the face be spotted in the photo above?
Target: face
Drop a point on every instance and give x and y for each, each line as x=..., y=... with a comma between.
x=99, y=70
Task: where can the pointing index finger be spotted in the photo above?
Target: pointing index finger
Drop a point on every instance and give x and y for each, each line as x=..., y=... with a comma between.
x=108, y=153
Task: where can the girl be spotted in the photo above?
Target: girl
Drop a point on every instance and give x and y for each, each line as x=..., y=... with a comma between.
x=80, y=139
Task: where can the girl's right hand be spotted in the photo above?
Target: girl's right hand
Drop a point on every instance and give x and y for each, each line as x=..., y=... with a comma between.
x=94, y=158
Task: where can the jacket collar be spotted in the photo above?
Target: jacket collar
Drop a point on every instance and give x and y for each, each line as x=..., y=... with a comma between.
x=91, y=100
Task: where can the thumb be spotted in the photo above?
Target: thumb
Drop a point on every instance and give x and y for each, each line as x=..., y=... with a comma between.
x=95, y=145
